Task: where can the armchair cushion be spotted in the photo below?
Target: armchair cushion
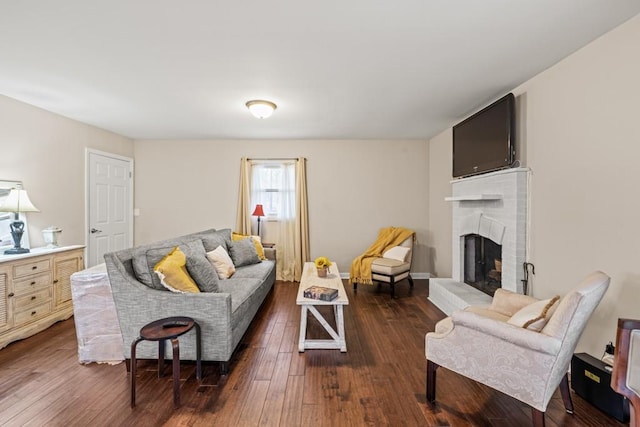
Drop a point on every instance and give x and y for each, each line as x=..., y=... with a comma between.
x=390, y=267
x=398, y=253
x=487, y=312
x=508, y=303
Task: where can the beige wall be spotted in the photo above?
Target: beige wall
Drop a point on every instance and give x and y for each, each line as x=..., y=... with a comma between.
x=439, y=230
x=581, y=139
x=47, y=153
x=354, y=189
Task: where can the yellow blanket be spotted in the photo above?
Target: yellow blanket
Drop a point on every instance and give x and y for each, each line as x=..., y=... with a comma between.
x=387, y=239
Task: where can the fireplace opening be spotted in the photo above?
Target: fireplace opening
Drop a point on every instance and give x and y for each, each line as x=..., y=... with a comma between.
x=482, y=263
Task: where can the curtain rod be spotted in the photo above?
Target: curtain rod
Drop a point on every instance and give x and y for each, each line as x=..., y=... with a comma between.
x=277, y=158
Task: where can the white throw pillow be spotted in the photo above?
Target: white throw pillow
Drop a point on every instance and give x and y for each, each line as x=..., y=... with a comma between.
x=398, y=253
x=221, y=262
x=535, y=316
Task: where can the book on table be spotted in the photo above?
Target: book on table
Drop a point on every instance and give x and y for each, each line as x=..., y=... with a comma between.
x=321, y=293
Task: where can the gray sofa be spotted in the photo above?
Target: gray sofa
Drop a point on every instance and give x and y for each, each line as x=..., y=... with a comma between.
x=224, y=316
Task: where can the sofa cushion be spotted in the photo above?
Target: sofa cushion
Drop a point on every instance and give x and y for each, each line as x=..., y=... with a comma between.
x=255, y=271
x=223, y=264
x=243, y=252
x=145, y=258
x=216, y=238
x=172, y=272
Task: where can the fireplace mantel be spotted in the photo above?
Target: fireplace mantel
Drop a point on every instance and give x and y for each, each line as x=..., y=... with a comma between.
x=473, y=197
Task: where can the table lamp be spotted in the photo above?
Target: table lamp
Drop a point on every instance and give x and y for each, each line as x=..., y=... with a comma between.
x=17, y=201
x=258, y=212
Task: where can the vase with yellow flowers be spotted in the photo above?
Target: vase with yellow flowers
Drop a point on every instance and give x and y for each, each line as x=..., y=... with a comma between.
x=322, y=265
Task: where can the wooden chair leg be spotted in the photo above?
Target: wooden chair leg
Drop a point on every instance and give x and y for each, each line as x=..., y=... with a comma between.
x=410, y=280
x=176, y=372
x=538, y=417
x=355, y=286
x=133, y=372
x=566, y=394
x=431, y=381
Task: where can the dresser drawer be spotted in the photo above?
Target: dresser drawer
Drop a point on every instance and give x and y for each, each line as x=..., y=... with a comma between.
x=32, y=283
x=32, y=267
x=33, y=313
x=36, y=298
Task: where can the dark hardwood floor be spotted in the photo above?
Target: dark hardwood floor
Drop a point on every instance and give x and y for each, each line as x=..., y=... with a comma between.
x=379, y=381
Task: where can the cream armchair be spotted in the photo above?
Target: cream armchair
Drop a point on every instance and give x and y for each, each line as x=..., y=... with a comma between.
x=492, y=346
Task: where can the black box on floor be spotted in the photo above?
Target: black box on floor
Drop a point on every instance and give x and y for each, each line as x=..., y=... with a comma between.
x=591, y=381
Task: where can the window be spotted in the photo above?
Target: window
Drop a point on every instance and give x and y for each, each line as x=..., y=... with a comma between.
x=273, y=186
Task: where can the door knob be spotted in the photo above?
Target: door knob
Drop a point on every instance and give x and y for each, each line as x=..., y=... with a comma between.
x=94, y=230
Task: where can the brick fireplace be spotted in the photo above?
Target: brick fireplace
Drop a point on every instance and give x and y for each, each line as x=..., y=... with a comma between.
x=493, y=206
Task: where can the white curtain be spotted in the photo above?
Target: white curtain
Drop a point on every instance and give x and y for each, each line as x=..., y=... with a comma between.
x=243, y=216
x=280, y=187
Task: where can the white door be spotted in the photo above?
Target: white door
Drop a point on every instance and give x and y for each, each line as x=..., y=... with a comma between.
x=109, y=204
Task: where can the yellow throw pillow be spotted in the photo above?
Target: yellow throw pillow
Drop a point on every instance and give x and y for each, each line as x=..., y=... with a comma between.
x=256, y=241
x=173, y=273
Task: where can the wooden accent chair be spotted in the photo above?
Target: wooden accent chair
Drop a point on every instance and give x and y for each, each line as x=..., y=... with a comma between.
x=484, y=344
x=625, y=378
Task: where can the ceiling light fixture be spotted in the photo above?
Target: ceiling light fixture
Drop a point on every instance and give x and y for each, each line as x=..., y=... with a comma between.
x=260, y=108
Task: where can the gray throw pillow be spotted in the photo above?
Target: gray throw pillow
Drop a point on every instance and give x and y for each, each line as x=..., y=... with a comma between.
x=243, y=252
x=141, y=266
x=217, y=238
x=198, y=265
x=200, y=268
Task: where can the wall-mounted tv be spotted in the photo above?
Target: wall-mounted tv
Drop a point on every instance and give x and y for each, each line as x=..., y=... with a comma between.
x=485, y=141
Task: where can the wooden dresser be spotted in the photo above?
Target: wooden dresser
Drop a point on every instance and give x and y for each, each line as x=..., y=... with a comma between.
x=35, y=290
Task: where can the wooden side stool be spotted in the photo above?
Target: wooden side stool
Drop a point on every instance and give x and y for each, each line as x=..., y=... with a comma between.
x=169, y=328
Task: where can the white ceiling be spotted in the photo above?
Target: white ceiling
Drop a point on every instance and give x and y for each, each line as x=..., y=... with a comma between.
x=337, y=69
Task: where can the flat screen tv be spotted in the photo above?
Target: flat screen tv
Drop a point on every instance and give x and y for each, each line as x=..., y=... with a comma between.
x=485, y=141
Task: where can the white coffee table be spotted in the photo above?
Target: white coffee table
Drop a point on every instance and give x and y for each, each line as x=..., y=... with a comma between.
x=310, y=278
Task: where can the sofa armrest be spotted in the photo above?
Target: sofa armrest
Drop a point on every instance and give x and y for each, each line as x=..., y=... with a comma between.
x=137, y=305
x=270, y=252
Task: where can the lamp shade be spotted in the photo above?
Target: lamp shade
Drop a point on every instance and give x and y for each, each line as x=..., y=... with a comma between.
x=18, y=201
x=260, y=108
x=258, y=211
